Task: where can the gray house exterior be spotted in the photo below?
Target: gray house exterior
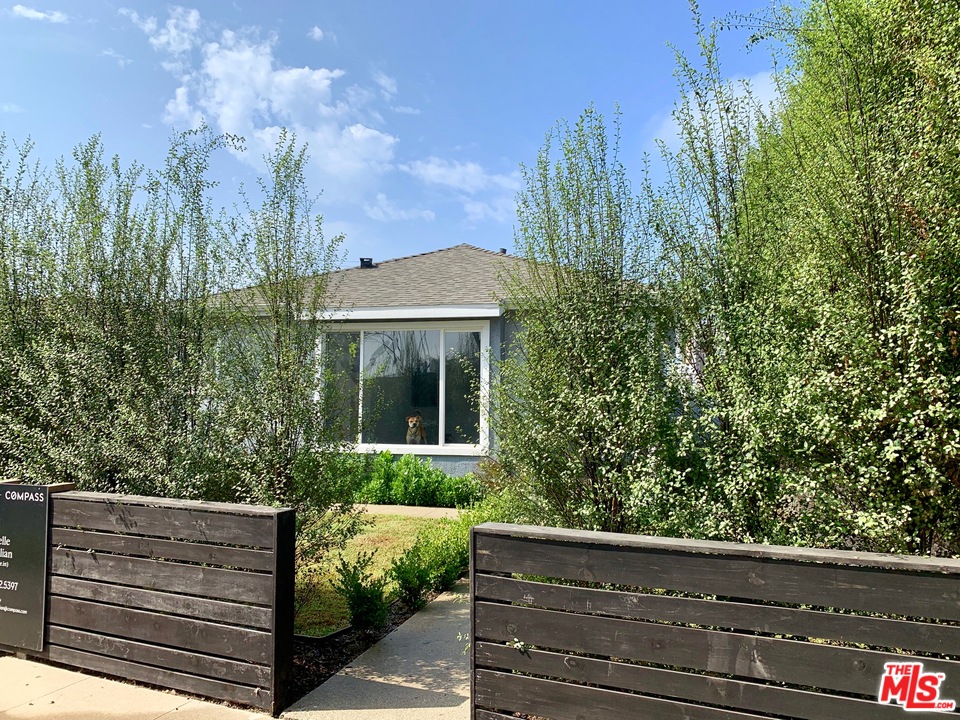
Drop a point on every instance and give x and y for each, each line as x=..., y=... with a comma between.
x=415, y=341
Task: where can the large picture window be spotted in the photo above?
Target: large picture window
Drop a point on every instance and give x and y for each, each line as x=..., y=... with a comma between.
x=418, y=387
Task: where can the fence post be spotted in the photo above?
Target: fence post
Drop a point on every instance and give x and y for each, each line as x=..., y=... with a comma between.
x=473, y=628
x=284, y=572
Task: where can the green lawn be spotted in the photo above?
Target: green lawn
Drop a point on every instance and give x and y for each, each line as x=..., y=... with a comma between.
x=389, y=535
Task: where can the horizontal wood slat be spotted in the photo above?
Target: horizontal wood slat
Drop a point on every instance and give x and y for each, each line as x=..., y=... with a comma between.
x=880, y=632
x=488, y=715
x=879, y=561
x=164, y=657
x=140, y=546
x=209, y=509
x=174, y=603
x=169, y=521
x=893, y=592
x=800, y=663
x=770, y=632
x=210, y=582
x=207, y=687
x=199, y=635
x=563, y=701
x=743, y=695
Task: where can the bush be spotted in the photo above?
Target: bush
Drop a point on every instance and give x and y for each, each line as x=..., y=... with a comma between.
x=364, y=594
x=412, y=574
x=412, y=481
x=446, y=551
x=441, y=554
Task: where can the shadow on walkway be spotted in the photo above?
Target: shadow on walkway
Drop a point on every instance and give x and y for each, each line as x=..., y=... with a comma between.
x=418, y=671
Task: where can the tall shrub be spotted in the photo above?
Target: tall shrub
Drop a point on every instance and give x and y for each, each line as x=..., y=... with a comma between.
x=581, y=403
x=132, y=359
x=812, y=265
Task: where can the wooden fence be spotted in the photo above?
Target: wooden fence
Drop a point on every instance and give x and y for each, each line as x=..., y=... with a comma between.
x=185, y=595
x=570, y=625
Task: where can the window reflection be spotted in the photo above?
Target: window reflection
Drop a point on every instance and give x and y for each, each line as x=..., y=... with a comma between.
x=401, y=379
x=462, y=357
x=399, y=375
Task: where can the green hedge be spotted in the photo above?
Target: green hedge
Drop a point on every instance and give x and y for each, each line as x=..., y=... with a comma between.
x=384, y=480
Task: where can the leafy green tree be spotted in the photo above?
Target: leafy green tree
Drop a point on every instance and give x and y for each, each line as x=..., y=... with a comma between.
x=129, y=359
x=103, y=314
x=581, y=403
x=278, y=403
x=871, y=152
x=811, y=259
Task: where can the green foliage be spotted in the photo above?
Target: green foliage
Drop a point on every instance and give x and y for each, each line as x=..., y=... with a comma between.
x=409, y=480
x=365, y=595
x=129, y=359
x=811, y=261
x=783, y=364
x=413, y=576
x=445, y=549
x=581, y=405
x=441, y=554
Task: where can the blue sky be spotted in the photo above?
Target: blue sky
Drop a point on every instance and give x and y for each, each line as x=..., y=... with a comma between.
x=418, y=114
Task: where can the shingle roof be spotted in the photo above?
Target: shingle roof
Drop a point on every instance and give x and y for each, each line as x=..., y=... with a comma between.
x=459, y=275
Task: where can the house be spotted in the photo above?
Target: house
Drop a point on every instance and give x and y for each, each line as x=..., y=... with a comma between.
x=412, y=341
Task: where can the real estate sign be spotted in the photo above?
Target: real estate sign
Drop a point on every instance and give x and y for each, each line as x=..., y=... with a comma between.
x=23, y=564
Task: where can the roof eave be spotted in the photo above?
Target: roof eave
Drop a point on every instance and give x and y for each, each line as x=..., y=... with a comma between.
x=416, y=312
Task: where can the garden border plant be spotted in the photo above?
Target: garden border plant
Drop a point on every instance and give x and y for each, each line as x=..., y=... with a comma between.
x=411, y=480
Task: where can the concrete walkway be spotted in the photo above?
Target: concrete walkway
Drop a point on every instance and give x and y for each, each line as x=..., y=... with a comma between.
x=417, y=672
x=37, y=691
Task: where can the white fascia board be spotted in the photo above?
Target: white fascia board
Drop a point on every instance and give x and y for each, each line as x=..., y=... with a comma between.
x=419, y=312
x=435, y=450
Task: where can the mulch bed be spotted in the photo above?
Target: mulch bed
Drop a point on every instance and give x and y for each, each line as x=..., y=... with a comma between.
x=315, y=659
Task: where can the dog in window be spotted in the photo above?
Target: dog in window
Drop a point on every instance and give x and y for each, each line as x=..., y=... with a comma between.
x=416, y=432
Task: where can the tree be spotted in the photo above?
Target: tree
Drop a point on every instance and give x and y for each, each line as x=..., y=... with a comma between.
x=581, y=406
x=812, y=261
x=130, y=359
x=277, y=401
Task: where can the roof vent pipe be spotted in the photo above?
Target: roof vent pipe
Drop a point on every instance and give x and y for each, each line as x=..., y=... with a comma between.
x=366, y=262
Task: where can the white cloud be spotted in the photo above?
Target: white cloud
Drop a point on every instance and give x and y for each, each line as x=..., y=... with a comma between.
x=316, y=33
x=121, y=60
x=484, y=196
x=405, y=110
x=388, y=85
x=385, y=211
x=180, y=111
x=9, y=107
x=468, y=177
x=54, y=16
x=148, y=25
x=501, y=209
x=238, y=85
x=177, y=36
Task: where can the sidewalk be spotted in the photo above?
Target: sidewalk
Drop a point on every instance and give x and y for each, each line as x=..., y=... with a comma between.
x=417, y=672
x=34, y=690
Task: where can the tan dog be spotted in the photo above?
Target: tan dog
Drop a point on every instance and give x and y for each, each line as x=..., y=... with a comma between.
x=416, y=432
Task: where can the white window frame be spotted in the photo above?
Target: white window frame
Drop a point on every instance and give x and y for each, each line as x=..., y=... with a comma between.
x=443, y=448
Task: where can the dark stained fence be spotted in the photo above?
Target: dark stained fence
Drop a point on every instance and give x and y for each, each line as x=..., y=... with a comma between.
x=185, y=595
x=570, y=625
